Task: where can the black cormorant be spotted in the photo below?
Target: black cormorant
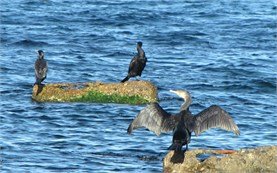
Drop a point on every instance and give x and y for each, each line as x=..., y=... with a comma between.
x=137, y=64
x=154, y=118
x=41, y=68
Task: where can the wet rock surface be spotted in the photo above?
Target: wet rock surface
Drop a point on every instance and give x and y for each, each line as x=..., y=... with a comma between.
x=261, y=159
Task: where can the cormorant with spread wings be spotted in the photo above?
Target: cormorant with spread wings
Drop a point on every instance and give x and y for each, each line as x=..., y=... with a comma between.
x=156, y=119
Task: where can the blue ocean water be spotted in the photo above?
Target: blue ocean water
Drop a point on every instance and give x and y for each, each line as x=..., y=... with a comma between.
x=223, y=52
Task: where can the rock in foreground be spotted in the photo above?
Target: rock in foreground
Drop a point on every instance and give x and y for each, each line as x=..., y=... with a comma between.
x=131, y=92
x=262, y=159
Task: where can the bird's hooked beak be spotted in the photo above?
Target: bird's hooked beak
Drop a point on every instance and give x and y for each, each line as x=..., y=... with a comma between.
x=178, y=93
x=173, y=91
x=40, y=53
x=182, y=93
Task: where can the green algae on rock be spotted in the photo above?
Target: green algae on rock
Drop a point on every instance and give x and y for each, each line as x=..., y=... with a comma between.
x=131, y=92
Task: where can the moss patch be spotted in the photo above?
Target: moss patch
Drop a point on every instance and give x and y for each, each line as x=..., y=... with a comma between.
x=94, y=96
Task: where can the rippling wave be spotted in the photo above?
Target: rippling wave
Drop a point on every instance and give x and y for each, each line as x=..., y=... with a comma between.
x=29, y=43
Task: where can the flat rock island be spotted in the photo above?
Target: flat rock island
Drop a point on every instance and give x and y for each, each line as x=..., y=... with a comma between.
x=130, y=92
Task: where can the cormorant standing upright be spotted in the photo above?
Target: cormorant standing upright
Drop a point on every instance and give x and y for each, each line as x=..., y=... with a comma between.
x=41, y=68
x=137, y=64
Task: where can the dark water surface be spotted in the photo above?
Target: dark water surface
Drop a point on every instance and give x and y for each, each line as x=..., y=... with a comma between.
x=223, y=52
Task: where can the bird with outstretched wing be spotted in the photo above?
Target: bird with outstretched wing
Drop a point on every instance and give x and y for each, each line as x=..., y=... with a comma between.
x=156, y=119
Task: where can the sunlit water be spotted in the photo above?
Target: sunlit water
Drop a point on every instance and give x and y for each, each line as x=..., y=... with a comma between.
x=223, y=52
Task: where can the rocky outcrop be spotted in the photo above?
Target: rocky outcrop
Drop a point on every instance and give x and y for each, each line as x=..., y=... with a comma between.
x=131, y=92
x=262, y=159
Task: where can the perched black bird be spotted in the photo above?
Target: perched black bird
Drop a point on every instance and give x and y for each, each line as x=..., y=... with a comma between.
x=137, y=64
x=154, y=118
x=41, y=68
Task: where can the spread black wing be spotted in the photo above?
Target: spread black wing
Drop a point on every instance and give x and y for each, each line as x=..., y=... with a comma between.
x=213, y=117
x=154, y=118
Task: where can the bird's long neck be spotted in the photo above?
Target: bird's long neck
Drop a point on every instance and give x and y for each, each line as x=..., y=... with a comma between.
x=140, y=52
x=183, y=116
x=40, y=57
x=187, y=103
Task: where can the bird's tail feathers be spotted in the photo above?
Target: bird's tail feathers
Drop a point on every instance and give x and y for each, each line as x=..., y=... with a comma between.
x=175, y=146
x=125, y=79
x=40, y=88
x=130, y=129
x=38, y=82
